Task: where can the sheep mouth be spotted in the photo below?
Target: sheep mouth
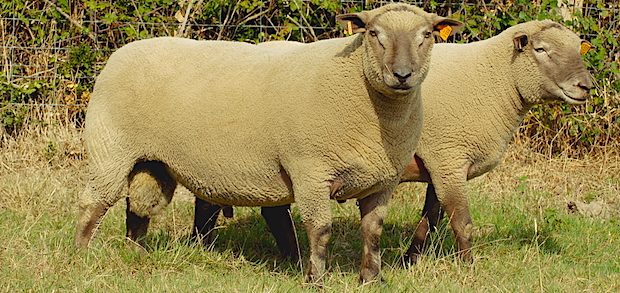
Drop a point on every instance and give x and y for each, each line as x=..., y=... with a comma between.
x=573, y=100
x=401, y=87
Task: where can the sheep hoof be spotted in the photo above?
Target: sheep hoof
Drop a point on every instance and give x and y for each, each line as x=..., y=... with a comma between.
x=466, y=257
x=411, y=259
x=137, y=246
x=314, y=281
x=368, y=275
x=369, y=280
x=81, y=243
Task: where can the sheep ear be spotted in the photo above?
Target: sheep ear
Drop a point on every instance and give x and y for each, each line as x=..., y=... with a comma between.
x=520, y=41
x=353, y=22
x=585, y=47
x=445, y=27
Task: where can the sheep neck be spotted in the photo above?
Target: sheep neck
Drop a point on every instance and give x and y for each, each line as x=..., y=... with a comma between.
x=495, y=62
x=393, y=111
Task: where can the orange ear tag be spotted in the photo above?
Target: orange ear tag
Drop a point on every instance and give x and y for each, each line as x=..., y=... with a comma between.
x=585, y=47
x=349, y=28
x=445, y=32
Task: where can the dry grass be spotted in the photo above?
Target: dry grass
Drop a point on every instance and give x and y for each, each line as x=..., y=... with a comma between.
x=525, y=241
x=560, y=179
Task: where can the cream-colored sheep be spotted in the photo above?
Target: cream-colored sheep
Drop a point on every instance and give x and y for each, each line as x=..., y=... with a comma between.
x=238, y=124
x=475, y=96
x=471, y=116
x=143, y=205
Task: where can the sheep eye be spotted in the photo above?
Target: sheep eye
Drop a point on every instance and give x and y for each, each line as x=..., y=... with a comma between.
x=374, y=34
x=540, y=50
x=427, y=35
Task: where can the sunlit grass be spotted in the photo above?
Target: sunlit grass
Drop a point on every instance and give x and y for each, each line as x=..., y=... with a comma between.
x=524, y=238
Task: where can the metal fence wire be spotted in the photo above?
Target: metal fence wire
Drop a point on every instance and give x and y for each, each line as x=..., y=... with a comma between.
x=59, y=50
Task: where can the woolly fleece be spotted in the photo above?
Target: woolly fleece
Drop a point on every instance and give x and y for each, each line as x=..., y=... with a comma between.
x=475, y=96
x=238, y=124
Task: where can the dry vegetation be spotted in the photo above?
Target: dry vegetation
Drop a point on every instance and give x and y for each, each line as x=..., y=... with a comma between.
x=52, y=50
x=526, y=239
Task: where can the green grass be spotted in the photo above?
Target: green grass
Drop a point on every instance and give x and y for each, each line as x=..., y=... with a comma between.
x=525, y=241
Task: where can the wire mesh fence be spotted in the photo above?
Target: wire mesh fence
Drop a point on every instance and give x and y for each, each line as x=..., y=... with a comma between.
x=52, y=51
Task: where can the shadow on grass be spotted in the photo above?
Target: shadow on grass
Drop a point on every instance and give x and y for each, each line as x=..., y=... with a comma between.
x=514, y=228
x=247, y=236
x=523, y=237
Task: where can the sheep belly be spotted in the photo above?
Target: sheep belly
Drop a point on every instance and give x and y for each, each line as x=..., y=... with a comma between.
x=219, y=164
x=269, y=188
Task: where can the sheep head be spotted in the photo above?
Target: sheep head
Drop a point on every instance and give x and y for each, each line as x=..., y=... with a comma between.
x=398, y=42
x=555, y=71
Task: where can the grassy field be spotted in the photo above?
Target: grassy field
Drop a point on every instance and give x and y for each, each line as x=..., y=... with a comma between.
x=525, y=240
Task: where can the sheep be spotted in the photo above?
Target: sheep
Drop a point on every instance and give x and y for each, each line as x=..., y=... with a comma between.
x=470, y=117
x=142, y=206
x=238, y=124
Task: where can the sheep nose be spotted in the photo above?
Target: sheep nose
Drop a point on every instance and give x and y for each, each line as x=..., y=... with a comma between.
x=585, y=88
x=585, y=84
x=402, y=75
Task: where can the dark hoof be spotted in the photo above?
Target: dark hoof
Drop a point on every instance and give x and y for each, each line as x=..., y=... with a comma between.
x=411, y=259
x=205, y=240
x=292, y=257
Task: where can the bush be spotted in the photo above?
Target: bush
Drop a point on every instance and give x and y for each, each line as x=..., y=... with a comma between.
x=61, y=47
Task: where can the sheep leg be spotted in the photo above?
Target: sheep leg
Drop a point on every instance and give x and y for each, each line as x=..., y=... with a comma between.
x=373, y=210
x=431, y=216
x=136, y=226
x=314, y=206
x=278, y=220
x=280, y=224
x=150, y=190
x=460, y=220
x=205, y=218
x=88, y=221
x=94, y=204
